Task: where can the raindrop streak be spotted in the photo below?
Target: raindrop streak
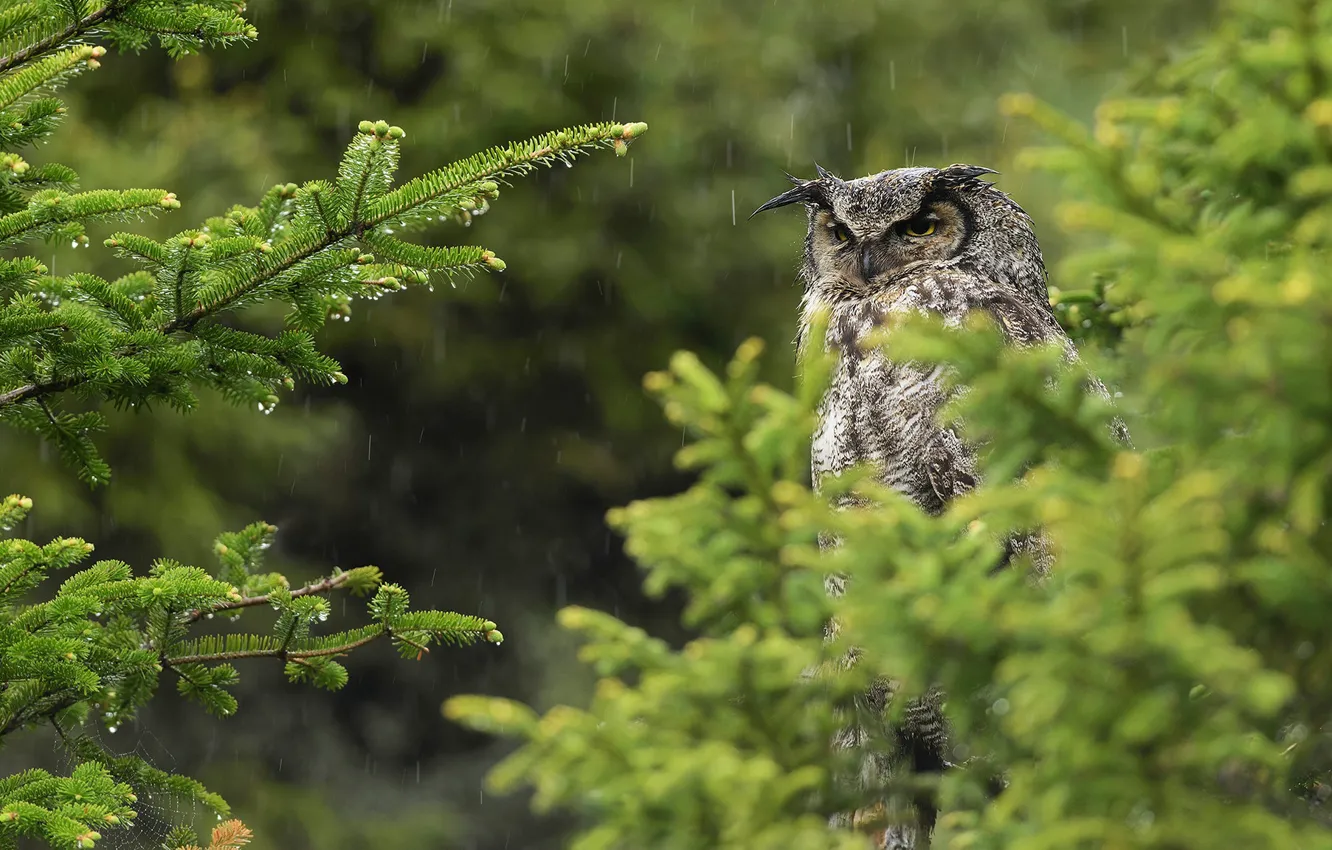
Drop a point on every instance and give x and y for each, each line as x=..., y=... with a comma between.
x=732, y=208
x=892, y=75
x=370, y=440
x=848, y=135
x=631, y=173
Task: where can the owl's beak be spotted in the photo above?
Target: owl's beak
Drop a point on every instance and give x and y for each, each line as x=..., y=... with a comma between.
x=870, y=267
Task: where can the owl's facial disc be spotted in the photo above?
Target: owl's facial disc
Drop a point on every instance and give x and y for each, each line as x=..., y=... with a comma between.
x=935, y=231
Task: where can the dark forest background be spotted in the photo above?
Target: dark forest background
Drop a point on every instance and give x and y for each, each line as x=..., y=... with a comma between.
x=487, y=428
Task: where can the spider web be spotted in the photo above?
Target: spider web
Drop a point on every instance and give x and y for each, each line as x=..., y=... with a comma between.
x=158, y=811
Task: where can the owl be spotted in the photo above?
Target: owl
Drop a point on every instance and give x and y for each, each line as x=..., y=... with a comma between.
x=942, y=241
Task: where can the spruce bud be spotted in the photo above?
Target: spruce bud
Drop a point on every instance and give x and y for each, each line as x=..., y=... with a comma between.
x=489, y=258
x=367, y=127
x=467, y=204
x=396, y=132
x=381, y=128
x=634, y=130
x=495, y=636
x=340, y=377
x=621, y=147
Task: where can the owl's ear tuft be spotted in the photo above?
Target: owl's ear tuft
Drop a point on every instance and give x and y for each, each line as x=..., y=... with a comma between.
x=803, y=192
x=959, y=173
x=825, y=174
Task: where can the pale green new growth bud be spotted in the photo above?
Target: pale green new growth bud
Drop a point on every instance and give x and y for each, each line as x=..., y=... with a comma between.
x=340, y=377
x=634, y=130
x=621, y=147
x=396, y=132
x=367, y=127
x=617, y=130
x=381, y=128
x=495, y=636
x=467, y=204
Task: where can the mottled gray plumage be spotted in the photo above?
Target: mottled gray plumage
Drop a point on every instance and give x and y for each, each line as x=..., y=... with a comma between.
x=940, y=241
x=862, y=262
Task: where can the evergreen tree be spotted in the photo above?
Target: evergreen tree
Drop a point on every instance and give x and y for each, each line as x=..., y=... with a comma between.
x=1169, y=686
x=508, y=417
x=94, y=650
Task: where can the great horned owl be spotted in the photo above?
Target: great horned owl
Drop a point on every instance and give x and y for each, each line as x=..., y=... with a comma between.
x=938, y=240
x=913, y=239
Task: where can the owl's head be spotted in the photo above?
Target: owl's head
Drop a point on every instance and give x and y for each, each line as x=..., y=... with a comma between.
x=875, y=232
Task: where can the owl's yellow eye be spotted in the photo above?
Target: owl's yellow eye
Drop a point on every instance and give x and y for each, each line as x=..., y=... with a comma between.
x=918, y=227
x=840, y=233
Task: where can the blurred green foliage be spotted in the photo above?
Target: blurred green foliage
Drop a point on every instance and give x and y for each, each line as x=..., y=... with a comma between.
x=1170, y=685
x=487, y=429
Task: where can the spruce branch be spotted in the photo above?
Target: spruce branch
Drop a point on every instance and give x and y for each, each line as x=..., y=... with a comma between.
x=83, y=26
x=325, y=585
x=156, y=336
x=181, y=26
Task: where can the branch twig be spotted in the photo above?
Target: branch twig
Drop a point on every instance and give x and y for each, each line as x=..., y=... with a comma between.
x=323, y=586
x=53, y=41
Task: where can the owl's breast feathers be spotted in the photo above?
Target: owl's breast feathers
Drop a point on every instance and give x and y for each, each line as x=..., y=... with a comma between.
x=885, y=413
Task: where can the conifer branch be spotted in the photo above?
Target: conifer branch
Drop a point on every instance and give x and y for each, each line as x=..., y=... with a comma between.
x=78, y=28
x=323, y=586
x=237, y=259
x=279, y=653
